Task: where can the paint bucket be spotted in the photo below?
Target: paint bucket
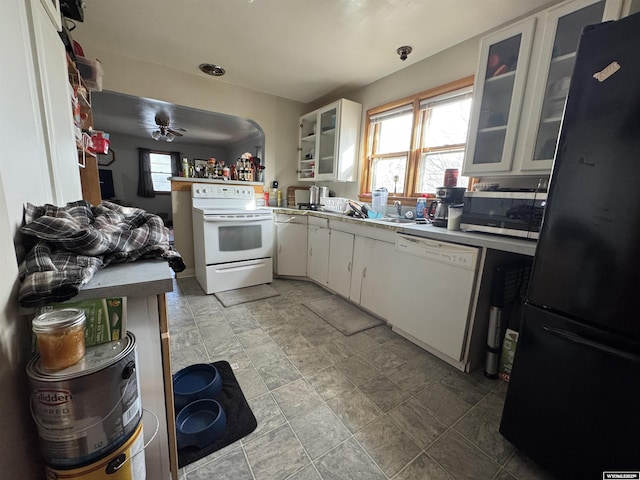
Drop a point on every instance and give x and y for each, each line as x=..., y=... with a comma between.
x=88, y=409
x=125, y=463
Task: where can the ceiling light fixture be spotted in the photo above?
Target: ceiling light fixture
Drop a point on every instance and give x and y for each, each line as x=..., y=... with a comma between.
x=211, y=69
x=404, y=52
x=163, y=134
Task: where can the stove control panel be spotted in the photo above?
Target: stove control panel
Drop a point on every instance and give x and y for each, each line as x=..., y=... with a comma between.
x=222, y=191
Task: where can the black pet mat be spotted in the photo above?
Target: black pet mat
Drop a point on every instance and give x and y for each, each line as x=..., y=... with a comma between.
x=240, y=419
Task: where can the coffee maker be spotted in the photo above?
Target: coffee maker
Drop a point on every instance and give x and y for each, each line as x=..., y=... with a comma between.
x=439, y=209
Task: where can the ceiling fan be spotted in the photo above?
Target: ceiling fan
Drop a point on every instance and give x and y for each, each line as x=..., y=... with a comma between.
x=165, y=132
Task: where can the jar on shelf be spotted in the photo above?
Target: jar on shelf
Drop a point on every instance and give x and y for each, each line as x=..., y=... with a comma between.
x=60, y=337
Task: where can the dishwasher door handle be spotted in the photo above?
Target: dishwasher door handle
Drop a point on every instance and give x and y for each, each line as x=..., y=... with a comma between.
x=420, y=241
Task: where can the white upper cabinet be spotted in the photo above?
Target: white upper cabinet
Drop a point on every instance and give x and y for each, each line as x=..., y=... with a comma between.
x=328, y=146
x=522, y=140
x=551, y=79
x=497, y=99
x=53, y=12
x=52, y=84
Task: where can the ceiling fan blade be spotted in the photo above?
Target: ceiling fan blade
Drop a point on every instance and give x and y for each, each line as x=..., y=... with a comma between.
x=174, y=132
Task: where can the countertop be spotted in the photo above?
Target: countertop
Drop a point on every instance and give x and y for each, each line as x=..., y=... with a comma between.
x=142, y=278
x=487, y=240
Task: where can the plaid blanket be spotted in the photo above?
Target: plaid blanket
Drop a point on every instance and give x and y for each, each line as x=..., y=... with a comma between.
x=71, y=243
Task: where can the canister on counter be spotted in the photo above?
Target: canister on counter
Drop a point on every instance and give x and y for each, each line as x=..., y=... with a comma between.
x=451, y=177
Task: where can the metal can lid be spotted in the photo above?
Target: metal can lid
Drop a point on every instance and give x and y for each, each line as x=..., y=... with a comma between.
x=57, y=320
x=96, y=358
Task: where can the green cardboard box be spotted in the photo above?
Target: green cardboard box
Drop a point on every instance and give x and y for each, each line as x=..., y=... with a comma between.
x=106, y=318
x=506, y=356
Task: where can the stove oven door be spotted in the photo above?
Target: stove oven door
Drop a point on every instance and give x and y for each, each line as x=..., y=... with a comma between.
x=237, y=237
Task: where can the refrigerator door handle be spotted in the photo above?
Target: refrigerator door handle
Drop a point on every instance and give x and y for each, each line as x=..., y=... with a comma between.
x=575, y=338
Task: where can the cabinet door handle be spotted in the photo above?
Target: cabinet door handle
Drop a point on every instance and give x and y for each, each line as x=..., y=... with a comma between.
x=364, y=272
x=349, y=267
x=311, y=252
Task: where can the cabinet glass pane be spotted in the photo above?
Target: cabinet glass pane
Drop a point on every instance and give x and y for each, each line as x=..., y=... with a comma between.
x=496, y=100
x=327, y=142
x=307, y=147
x=568, y=31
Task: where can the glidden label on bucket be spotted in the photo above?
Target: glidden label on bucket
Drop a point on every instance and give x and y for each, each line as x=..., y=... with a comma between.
x=88, y=409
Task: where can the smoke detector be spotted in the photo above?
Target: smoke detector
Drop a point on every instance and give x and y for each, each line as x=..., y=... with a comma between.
x=404, y=52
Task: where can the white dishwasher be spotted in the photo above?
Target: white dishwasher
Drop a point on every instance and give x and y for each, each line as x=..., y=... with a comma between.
x=432, y=302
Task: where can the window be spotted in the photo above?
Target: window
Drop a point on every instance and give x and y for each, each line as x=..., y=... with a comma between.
x=390, y=146
x=444, y=121
x=160, y=170
x=411, y=142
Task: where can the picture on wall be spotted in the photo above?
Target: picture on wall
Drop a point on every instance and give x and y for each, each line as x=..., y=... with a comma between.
x=200, y=167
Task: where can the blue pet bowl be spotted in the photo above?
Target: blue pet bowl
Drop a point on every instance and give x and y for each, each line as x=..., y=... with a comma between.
x=200, y=423
x=195, y=382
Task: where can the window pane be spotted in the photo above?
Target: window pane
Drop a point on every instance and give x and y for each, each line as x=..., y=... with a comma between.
x=390, y=173
x=432, y=167
x=160, y=170
x=447, y=124
x=395, y=134
x=160, y=182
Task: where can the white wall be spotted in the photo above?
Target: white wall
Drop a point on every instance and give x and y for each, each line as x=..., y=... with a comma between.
x=452, y=64
x=278, y=117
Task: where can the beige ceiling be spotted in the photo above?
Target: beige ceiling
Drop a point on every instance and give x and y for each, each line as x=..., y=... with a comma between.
x=298, y=49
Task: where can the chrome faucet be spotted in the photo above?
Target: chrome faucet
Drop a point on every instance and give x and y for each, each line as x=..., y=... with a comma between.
x=398, y=206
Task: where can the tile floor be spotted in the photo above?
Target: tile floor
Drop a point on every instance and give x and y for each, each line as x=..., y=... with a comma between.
x=369, y=406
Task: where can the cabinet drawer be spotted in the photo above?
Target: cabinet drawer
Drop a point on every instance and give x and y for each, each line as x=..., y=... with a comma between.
x=319, y=222
x=286, y=218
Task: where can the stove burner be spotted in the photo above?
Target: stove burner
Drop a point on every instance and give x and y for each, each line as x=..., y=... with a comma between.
x=310, y=206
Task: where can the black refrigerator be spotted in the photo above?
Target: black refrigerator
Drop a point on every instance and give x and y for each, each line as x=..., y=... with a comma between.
x=573, y=401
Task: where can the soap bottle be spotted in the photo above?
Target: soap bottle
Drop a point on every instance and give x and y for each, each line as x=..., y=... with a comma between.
x=185, y=167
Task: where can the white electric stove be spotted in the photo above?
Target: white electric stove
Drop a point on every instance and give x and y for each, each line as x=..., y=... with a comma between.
x=232, y=239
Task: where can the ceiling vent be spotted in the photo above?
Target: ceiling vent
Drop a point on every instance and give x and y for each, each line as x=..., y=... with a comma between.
x=213, y=70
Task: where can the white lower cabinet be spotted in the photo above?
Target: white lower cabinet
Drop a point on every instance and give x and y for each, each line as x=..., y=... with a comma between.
x=291, y=245
x=340, y=262
x=423, y=288
x=372, y=262
x=318, y=254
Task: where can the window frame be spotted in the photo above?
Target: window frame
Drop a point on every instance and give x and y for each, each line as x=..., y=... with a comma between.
x=413, y=160
x=168, y=154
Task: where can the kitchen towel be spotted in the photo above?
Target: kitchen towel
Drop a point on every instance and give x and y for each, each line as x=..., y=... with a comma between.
x=244, y=295
x=240, y=419
x=343, y=315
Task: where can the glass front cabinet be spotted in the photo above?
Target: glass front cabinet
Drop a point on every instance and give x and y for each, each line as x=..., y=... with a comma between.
x=515, y=123
x=328, y=144
x=497, y=99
